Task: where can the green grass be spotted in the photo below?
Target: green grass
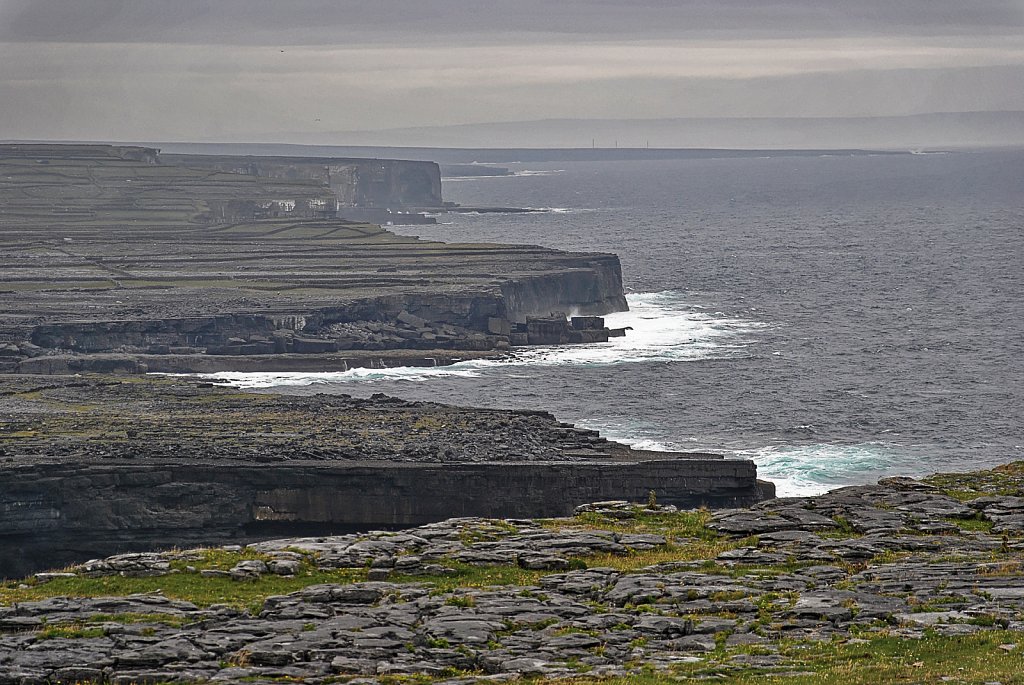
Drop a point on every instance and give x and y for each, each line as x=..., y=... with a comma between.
x=69, y=632
x=686, y=533
x=486, y=531
x=844, y=528
x=469, y=576
x=1007, y=479
x=883, y=660
x=131, y=618
x=686, y=551
x=184, y=585
x=676, y=526
x=977, y=524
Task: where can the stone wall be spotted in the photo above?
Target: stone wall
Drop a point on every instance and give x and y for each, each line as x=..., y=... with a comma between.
x=60, y=513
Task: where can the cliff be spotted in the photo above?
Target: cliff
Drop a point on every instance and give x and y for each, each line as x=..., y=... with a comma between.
x=102, y=253
x=61, y=513
x=366, y=183
x=99, y=466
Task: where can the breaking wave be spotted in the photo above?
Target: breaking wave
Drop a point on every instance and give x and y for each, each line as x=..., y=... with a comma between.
x=538, y=172
x=661, y=327
x=802, y=470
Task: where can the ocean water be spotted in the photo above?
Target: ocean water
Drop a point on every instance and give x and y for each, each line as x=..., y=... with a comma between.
x=834, y=318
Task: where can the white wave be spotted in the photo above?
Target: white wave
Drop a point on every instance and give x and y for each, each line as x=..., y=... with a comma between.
x=647, y=444
x=412, y=374
x=559, y=210
x=474, y=177
x=802, y=470
x=663, y=328
x=538, y=172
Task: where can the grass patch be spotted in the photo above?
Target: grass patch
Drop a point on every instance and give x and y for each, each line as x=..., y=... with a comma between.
x=463, y=601
x=1005, y=480
x=488, y=531
x=69, y=632
x=1006, y=569
x=686, y=533
x=469, y=576
x=844, y=528
x=132, y=618
x=977, y=524
x=883, y=660
x=185, y=585
x=698, y=550
x=674, y=526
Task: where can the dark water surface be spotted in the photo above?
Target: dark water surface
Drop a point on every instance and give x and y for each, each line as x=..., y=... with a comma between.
x=836, y=318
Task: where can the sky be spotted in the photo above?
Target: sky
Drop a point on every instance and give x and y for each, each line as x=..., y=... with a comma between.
x=289, y=70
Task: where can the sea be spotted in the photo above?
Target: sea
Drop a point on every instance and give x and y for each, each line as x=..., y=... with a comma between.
x=837, y=318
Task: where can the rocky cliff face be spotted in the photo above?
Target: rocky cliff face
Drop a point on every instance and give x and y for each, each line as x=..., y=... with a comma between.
x=371, y=183
x=590, y=286
x=437, y=321
x=102, y=252
x=59, y=513
x=96, y=466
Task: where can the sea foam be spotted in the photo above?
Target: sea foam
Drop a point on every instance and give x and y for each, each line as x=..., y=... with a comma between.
x=662, y=328
x=802, y=470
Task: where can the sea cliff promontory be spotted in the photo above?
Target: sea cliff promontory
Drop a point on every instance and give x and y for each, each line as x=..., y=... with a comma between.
x=98, y=465
x=114, y=260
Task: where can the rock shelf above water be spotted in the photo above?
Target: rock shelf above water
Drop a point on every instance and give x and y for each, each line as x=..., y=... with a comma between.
x=98, y=465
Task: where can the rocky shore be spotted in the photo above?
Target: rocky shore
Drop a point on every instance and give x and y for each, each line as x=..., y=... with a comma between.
x=116, y=259
x=903, y=581
x=212, y=535
x=98, y=465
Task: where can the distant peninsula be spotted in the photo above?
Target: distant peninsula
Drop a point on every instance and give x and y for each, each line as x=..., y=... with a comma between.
x=121, y=259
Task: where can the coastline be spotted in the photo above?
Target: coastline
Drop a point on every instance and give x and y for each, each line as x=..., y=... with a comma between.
x=119, y=260
x=104, y=464
x=181, y=265
x=284, y=362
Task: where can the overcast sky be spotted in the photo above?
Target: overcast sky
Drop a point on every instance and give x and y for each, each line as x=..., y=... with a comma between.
x=268, y=70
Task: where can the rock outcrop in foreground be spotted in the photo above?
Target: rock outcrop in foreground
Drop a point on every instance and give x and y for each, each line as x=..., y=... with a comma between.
x=904, y=581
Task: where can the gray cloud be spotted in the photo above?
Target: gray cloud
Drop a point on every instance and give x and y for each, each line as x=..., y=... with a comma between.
x=323, y=22
x=270, y=69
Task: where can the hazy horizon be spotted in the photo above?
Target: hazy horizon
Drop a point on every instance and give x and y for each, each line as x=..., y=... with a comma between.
x=333, y=72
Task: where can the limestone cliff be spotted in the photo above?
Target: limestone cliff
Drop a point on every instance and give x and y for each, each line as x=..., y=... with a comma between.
x=59, y=513
x=96, y=466
x=374, y=183
x=116, y=250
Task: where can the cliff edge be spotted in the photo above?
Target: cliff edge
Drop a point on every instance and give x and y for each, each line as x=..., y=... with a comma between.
x=112, y=251
x=96, y=465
